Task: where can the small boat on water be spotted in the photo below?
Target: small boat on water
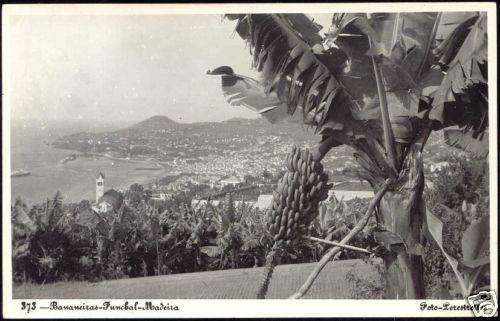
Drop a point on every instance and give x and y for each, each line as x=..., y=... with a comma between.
x=19, y=173
x=68, y=158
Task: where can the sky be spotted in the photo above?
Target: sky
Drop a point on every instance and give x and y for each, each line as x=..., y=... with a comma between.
x=122, y=68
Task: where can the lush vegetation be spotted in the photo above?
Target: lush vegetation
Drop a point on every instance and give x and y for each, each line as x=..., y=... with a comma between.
x=459, y=197
x=366, y=83
x=53, y=241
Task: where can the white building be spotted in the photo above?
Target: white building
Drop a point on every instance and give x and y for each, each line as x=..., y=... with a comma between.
x=161, y=196
x=240, y=203
x=230, y=181
x=110, y=200
x=105, y=201
x=349, y=195
x=99, y=186
x=197, y=204
x=264, y=201
x=438, y=166
x=102, y=207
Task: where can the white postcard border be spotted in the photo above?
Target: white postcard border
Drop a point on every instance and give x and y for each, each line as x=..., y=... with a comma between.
x=243, y=308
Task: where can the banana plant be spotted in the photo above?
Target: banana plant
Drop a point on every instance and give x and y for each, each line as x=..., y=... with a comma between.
x=475, y=251
x=379, y=83
x=228, y=240
x=329, y=223
x=254, y=236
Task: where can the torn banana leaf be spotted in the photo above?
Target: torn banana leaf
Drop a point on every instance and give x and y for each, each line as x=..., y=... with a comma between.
x=302, y=77
x=335, y=90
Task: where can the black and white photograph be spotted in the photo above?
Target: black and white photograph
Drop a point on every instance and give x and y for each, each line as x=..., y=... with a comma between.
x=157, y=154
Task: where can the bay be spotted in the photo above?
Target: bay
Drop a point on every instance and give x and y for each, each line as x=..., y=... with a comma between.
x=74, y=179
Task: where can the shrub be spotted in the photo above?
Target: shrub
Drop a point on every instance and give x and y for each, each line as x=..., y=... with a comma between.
x=367, y=287
x=462, y=187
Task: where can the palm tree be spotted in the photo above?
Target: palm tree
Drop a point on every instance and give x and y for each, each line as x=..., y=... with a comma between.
x=379, y=83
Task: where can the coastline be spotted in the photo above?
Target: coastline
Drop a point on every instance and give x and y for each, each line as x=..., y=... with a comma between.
x=76, y=179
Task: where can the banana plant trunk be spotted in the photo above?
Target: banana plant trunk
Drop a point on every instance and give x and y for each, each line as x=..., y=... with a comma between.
x=401, y=219
x=400, y=215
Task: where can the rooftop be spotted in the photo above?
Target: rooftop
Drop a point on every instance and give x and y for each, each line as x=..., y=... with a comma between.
x=232, y=179
x=264, y=201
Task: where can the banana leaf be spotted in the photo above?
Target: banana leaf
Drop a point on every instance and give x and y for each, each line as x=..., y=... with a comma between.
x=465, y=140
x=245, y=91
x=20, y=216
x=21, y=250
x=475, y=242
x=334, y=88
x=301, y=77
x=435, y=229
x=462, y=97
x=331, y=93
x=211, y=250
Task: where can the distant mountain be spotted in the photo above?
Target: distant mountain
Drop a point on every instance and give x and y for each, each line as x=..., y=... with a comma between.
x=235, y=124
x=197, y=145
x=157, y=122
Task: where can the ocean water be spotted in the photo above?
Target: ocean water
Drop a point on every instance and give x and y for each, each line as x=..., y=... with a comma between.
x=74, y=179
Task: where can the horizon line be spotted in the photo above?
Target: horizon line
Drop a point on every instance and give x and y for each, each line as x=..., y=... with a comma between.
x=133, y=121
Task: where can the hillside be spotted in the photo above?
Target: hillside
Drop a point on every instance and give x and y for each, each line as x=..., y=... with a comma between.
x=161, y=131
x=227, y=284
x=217, y=149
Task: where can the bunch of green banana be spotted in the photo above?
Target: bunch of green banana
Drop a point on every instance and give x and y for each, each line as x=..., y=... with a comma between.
x=297, y=197
x=295, y=205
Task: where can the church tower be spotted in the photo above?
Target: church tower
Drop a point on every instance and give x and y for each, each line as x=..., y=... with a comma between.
x=99, y=186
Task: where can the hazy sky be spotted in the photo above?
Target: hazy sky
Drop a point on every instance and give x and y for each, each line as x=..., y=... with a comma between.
x=122, y=68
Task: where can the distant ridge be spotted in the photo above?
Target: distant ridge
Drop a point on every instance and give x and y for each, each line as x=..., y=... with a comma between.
x=159, y=122
x=156, y=124
x=153, y=123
